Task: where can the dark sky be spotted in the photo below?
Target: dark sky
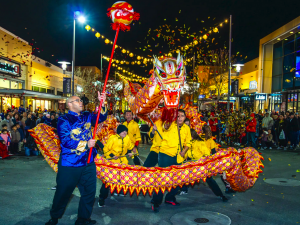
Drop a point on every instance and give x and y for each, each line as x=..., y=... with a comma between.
x=50, y=24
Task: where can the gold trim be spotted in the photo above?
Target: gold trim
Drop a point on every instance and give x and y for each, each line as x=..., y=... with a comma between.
x=105, y=110
x=81, y=146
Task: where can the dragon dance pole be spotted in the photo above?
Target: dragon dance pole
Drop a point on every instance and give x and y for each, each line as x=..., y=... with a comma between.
x=104, y=87
x=153, y=125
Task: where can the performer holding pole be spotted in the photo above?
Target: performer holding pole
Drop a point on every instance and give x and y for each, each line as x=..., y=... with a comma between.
x=74, y=132
x=133, y=133
x=155, y=135
x=116, y=147
x=168, y=153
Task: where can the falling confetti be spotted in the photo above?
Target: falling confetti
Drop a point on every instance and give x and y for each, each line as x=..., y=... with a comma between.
x=269, y=159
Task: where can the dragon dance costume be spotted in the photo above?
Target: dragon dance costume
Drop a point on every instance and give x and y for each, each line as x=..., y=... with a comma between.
x=74, y=131
x=167, y=80
x=134, y=135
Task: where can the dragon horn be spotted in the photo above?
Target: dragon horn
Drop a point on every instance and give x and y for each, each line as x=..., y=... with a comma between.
x=178, y=58
x=156, y=61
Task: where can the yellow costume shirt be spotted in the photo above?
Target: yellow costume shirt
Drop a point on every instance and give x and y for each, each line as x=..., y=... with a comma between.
x=118, y=147
x=156, y=139
x=170, y=143
x=197, y=150
x=133, y=131
x=211, y=144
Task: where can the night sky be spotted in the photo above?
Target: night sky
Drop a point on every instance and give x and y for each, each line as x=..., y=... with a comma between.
x=49, y=25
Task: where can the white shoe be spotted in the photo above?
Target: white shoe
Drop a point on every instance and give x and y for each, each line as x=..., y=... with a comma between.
x=285, y=148
x=183, y=193
x=53, y=188
x=270, y=148
x=121, y=195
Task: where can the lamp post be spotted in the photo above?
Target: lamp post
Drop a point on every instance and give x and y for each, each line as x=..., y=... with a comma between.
x=64, y=65
x=238, y=67
x=81, y=19
x=229, y=58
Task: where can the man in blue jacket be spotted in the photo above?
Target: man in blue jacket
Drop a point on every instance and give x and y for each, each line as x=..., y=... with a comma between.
x=75, y=134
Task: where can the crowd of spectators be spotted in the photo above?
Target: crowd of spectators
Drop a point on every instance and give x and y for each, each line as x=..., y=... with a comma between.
x=14, y=125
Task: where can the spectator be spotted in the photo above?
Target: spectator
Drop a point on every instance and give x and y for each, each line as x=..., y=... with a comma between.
x=46, y=119
x=122, y=118
x=144, y=132
x=8, y=122
x=298, y=133
x=281, y=128
x=24, y=118
x=15, y=139
x=30, y=146
x=53, y=121
x=267, y=121
x=39, y=120
x=16, y=118
x=293, y=129
x=187, y=122
x=267, y=139
x=251, y=130
x=3, y=150
x=4, y=135
x=30, y=123
x=22, y=137
x=21, y=110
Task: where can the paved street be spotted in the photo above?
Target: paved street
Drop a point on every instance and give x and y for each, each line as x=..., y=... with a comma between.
x=26, y=197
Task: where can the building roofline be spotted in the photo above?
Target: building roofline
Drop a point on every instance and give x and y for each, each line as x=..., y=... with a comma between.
x=10, y=33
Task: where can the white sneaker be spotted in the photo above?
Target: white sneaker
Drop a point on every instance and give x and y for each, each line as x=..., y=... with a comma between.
x=183, y=193
x=285, y=148
x=270, y=148
x=53, y=188
x=121, y=195
x=265, y=147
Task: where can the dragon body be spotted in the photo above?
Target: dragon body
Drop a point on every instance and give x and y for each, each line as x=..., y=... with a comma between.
x=242, y=167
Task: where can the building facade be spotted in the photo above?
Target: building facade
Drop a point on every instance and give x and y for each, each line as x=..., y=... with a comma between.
x=28, y=80
x=279, y=67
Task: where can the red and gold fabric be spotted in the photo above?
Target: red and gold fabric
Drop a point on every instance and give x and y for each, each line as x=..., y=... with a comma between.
x=241, y=167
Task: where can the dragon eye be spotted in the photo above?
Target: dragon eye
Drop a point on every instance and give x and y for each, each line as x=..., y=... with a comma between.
x=177, y=73
x=163, y=75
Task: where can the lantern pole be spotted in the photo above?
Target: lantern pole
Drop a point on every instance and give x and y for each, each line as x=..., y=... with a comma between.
x=229, y=72
x=73, y=58
x=104, y=87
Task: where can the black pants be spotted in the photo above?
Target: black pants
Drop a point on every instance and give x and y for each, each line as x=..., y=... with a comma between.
x=152, y=159
x=67, y=179
x=13, y=148
x=165, y=161
x=136, y=161
x=211, y=183
x=145, y=136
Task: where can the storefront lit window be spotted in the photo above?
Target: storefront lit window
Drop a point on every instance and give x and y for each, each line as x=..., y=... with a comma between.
x=286, y=63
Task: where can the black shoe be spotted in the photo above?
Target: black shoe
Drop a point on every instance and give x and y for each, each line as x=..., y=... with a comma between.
x=85, y=222
x=172, y=203
x=101, y=202
x=155, y=207
x=230, y=191
x=224, y=199
x=52, y=222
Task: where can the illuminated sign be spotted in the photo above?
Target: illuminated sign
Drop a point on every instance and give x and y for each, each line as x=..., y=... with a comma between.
x=9, y=67
x=261, y=97
x=253, y=85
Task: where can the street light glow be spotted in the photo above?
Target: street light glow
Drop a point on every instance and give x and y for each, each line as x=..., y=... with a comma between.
x=81, y=19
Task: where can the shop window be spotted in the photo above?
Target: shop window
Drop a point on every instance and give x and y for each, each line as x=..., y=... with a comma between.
x=288, y=63
x=288, y=45
x=34, y=88
x=43, y=90
x=50, y=91
x=297, y=44
x=4, y=83
x=277, y=50
x=298, y=62
x=277, y=67
x=276, y=83
x=297, y=81
x=288, y=79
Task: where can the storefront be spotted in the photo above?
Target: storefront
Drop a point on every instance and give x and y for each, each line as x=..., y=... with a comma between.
x=275, y=102
x=247, y=102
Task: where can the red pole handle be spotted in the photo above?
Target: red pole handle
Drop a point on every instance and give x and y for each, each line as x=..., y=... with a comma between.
x=104, y=87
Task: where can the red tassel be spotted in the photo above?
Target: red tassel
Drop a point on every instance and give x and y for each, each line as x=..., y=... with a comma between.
x=123, y=27
x=169, y=115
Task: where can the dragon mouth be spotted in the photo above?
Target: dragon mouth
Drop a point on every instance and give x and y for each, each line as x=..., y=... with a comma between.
x=171, y=98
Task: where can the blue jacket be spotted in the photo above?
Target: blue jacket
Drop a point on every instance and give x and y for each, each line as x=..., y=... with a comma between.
x=46, y=120
x=21, y=110
x=74, y=131
x=22, y=136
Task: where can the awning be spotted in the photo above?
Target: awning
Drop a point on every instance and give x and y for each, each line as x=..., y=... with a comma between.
x=27, y=93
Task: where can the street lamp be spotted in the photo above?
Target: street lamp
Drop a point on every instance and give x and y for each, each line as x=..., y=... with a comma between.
x=64, y=65
x=77, y=15
x=238, y=67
